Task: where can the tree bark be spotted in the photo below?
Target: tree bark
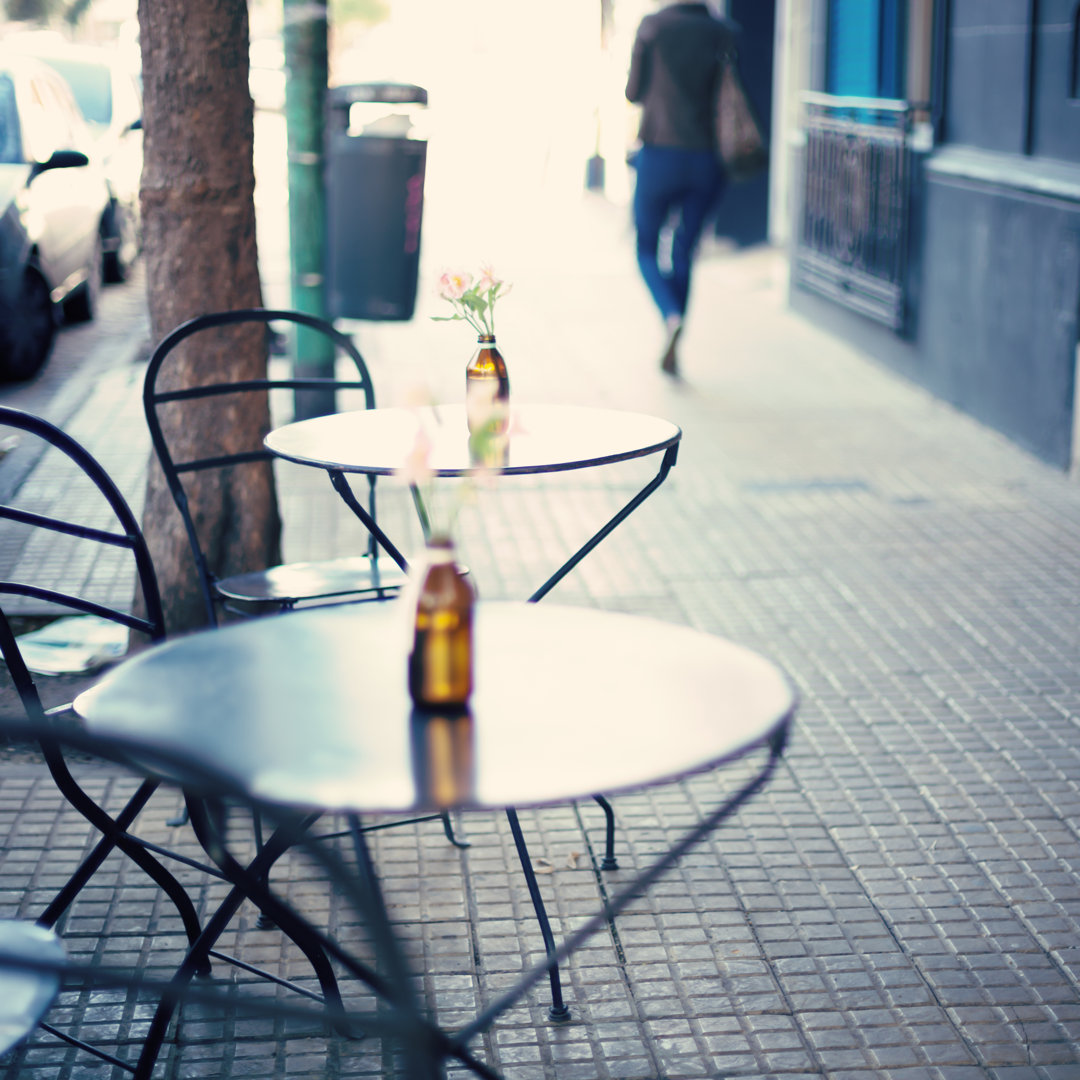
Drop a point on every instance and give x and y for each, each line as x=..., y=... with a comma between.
x=198, y=214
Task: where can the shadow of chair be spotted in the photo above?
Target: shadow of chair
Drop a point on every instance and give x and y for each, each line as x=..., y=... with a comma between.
x=360, y=577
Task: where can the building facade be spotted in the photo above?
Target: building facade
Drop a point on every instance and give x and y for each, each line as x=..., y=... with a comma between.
x=926, y=178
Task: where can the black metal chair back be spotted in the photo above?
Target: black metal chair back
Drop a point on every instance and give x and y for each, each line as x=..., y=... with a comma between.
x=125, y=534
x=308, y=581
x=121, y=531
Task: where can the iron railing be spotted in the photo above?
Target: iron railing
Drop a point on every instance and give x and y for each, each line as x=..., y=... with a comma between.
x=852, y=239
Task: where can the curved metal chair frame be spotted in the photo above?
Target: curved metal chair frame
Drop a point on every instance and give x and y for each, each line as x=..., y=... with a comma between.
x=124, y=533
x=285, y=586
x=34, y=966
x=358, y=578
x=115, y=831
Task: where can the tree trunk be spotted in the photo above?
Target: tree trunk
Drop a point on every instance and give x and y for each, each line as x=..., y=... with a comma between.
x=198, y=214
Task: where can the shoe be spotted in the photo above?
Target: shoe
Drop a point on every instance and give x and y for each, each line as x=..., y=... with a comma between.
x=669, y=363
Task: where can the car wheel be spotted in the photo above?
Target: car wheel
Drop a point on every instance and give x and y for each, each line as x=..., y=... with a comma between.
x=82, y=306
x=28, y=330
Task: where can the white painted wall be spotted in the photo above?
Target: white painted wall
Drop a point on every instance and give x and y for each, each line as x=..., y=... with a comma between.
x=791, y=76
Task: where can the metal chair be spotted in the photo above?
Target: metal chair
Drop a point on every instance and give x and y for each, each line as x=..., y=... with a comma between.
x=119, y=530
x=103, y=521
x=35, y=967
x=356, y=578
x=33, y=964
x=286, y=586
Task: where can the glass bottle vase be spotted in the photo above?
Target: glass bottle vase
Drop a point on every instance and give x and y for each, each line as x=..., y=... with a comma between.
x=441, y=659
x=487, y=389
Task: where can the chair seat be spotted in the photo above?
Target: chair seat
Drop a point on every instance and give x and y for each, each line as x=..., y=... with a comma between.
x=295, y=582
x=25, y=996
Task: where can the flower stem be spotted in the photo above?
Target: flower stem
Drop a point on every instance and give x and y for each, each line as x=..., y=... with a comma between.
x=421, y=512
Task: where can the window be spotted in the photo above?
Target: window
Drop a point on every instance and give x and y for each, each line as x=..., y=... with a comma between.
x=91, y=84
x=1055, y=82
x=53, y=121
x=865, y=48
x=869, y=54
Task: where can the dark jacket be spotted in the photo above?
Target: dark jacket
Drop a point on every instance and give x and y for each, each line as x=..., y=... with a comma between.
x=674, y=72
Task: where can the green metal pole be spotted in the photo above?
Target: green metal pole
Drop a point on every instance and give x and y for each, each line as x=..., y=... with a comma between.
x=594, y=168
x=307, y=73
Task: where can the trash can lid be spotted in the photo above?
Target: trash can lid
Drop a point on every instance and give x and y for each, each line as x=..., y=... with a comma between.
x=388, y=92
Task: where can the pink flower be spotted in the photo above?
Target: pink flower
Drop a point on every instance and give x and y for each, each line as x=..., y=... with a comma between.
x=453, y=285
x=488, y=280
x=417, y=470
x=472, y=303
x=514, y=425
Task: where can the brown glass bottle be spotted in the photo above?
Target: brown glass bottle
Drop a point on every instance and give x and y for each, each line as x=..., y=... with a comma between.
x=440, y=664
x=487, y=388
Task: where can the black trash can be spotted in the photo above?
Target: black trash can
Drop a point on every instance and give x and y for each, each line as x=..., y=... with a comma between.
x=374, y=199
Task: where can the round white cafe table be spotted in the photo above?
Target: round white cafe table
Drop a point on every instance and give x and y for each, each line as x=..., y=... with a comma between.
x=311, y=709
x=540, y=439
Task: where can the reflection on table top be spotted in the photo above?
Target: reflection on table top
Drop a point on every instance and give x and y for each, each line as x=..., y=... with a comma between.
x=25, y=996
x=542, y=438
x=311, y=708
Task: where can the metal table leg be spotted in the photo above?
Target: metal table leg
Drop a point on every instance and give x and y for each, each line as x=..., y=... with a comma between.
x=666, y=464
x=630, y=891
x=559, y=1010
x=197, y=958
x=341, y=486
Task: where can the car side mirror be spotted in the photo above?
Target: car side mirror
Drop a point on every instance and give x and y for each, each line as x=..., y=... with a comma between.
x=135, y=125
x=61, y=159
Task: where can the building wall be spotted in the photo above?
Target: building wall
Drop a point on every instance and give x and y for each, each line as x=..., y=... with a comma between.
x=994, y=256
x=743, y=212
x=791, y=75
x=986, y=75
x=998, y=328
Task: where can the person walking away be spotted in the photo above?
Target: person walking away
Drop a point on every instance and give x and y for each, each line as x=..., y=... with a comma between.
x=674, y=73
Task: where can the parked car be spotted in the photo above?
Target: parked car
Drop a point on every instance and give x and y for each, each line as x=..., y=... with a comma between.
x=54, y=203
x=111, y=102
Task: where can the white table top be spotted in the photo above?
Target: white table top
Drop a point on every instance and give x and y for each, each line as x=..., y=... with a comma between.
x=312, y=709
x=542, y=438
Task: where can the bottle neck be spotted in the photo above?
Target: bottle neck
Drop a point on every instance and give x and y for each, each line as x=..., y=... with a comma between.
x=486, y=341
x=440, y=551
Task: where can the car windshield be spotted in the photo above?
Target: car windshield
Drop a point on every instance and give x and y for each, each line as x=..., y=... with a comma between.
x=9, y=122
x=91, y=84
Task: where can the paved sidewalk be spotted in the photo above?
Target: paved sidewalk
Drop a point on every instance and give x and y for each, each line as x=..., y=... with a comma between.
x=902, y=901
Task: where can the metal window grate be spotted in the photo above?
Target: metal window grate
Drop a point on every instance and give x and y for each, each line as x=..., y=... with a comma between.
x=852, y=240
